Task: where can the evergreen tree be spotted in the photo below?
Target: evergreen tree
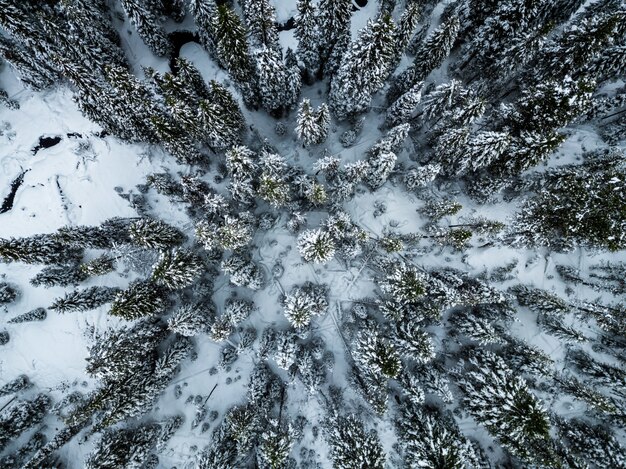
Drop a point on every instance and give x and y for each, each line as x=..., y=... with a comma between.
x=502, y=402
x=592, y=442
x=177, y=269
x=8, y=293
x=141, y=298
x=129, y=447
x=242, y=170
x=273, y=184
x=15, y=385
x=37, y=314
x=243, y=272
x=56, y=275
x=20, y=417
x=145, y=21
x=233, y=233
x=38, y=249
x=232, y=51
x=304, y=302
x=273, y=80
x=430, y=56
x=334, y=17
x=308, y=34
x=400, y=111
x=204, y=12
x=376, y=354
x=189, y=320
x=316, y=246
x=84, y=300
x=274, y=446
x=155, y=234
x=351, y=447
x=363, y=69
x=432, y=442
x=312, y=125
x=260, y=17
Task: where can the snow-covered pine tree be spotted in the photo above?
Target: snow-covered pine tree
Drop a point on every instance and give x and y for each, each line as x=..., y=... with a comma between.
x=38, y=249
x=233, y=53
x=260, y=17
x=155, y=234
x=430, y=56
x=21, y=416
x=304, y=302
x=274, y=186
x=308, y=34
x=126, y=447
x=204, y=12
x=312, y=124
x=274, y=446
x=84, y=300
x=400, y=111
x=141, y=298
x=273, y=78
x=316, y=246
x=352, y=447
x=143, y=17
x=37, y=314
x=15, y=385
x=177, y=269
x=334, y=17
x=502, y=402
x=8, y=293
x=243, y=271
x=190, y=320
x=363, y=69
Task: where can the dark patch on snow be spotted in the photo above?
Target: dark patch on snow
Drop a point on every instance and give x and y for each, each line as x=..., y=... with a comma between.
x=7, y=204
x=178, y=40
x=46, y=142
x=74, y=135
x=361, y=3
x=287, y=25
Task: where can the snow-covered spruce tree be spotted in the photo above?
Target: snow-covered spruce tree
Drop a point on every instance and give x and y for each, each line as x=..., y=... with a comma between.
x=576, y=206
x=594, y=443
x=190, y=320
x=232, y=51
x=316, y=246
x=15, y=385
x=8, y=293
x=420, y=177
x=274, y=185
x=275, y=81
x=243, y=170
x=127, y=447
x=406, y=26
x=503, y=403
x=352, y=447
x=19, y=457
x=204, y=12
x=38, y=249
x=144, y=19
x=243, y=271
x=84, y=300
x=304, y=302
x=233, y=233
x=141, y=298
x=376, y=354
x=177, y=269
x=382, y=157
x=433, y=442
x=21, y=416
x=405, y=284
x=430, y=56
x=154, y=234
x=59, y=275
x=260, y=17
x=312, y=124
x=363, y=69
x=309, y=37
x=276, y=442
x=37, y=314
x=400, y=111
x=334, y=17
